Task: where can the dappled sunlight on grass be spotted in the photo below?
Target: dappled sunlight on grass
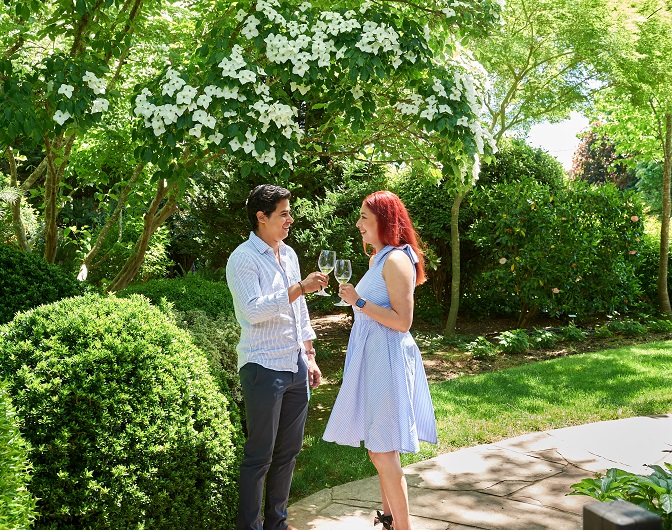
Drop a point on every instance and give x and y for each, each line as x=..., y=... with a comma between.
x=573, y=390
x=488, y=407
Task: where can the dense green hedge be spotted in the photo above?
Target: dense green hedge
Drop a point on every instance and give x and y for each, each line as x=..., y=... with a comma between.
x=187, y=293
x=17, y=504
x=573, y=251
x=27, y=281
x=217, y=338
x=204, y=308
x=127, y=425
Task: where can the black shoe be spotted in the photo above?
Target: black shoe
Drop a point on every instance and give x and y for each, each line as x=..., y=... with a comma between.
x=386, y=520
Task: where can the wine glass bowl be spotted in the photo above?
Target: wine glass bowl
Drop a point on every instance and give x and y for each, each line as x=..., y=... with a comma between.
x=326, y=263
x=343, y=273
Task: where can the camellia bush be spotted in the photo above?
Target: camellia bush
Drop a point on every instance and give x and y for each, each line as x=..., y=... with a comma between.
x=126, y=425
x=421, y=194
x=570, y=252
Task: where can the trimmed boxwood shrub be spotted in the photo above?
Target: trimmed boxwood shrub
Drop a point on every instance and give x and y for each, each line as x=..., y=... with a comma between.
x=127, y=425
x=186, y=293
x=217, y=338
x=27, y=281
x=17, y=504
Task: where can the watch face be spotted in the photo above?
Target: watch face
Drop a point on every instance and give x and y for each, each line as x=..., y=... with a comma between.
x=360, y=303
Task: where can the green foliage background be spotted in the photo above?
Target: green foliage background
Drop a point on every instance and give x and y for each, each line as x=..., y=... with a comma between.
x=27, y=281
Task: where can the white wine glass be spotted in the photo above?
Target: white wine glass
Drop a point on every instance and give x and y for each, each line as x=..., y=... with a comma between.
x=326, y=263
x=343, y=272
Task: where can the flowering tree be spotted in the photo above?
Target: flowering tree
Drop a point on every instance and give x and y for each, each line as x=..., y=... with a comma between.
x=259, y=75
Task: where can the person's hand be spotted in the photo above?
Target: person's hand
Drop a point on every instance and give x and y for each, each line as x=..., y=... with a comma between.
x=347, y=292
x=315, y=281
x=314, y=373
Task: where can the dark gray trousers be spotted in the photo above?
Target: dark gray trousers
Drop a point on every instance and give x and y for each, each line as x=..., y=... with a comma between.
x=276, y=405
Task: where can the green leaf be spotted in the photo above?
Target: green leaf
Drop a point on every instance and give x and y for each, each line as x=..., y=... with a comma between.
x=260, y=146
x=80, y=7
x=147, y=154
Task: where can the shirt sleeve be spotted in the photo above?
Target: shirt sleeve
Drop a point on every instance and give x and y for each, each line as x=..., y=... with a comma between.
x=307, y=331
x=243, y=278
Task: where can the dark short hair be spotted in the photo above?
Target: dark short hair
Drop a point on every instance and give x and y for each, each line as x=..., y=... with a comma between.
x=264, y=198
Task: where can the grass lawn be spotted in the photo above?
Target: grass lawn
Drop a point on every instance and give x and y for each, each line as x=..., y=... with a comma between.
x=470, y=410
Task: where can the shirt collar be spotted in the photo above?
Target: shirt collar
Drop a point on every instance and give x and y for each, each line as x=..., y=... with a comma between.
x=261, y=245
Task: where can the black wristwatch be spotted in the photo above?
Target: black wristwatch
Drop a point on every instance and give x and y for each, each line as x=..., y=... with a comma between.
x=360, y=303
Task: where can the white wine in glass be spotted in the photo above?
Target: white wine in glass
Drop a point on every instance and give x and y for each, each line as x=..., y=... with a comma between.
x=326, y=263
x=343, y=272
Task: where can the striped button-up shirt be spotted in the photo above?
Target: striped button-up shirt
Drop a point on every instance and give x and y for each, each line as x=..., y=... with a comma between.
x=272, y=330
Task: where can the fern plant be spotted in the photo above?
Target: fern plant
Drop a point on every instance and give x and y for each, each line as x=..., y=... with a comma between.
x=8, y=194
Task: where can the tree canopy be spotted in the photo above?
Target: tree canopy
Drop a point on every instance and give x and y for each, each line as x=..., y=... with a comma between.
x=259, y=82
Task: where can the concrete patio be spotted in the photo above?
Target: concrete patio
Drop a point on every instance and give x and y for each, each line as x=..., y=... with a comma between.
x=516, y=484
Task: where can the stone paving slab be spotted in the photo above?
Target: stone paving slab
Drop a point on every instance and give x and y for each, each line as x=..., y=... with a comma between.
x=479, y=468
x=487, y=511
x=516, y=484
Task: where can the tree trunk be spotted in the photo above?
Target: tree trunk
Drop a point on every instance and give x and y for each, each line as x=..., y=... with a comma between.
x=451, y=324
x=153, y=220
x=60, y=148
x=111, y=221
x=51, y=187
x=663, y=294
x=17, y=221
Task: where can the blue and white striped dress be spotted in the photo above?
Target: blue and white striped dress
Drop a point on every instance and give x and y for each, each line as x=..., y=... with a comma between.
x=384, y=400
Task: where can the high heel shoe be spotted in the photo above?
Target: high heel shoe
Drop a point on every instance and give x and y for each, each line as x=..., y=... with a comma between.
x=386, y=520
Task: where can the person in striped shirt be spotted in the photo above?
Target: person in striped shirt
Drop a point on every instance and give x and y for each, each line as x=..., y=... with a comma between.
x=276, y=358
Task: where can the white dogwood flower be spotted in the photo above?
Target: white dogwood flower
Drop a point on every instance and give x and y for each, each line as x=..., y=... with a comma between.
x=67, y=90
x=94, y=83
x=61, y=117
x=99, y=105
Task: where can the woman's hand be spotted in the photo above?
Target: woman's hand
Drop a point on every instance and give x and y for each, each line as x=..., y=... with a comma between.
x=347, y=292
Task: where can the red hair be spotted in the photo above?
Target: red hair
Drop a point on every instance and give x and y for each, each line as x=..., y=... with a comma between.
x=395, y=227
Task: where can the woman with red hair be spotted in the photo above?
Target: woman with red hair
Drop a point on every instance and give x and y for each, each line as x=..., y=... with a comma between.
x=384, y=400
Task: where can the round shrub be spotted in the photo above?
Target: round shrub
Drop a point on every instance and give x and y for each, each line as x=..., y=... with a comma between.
x=27, y=281
x=17, y=504
x=127, y=425
x=516, y=160
x=186, y=294
x=217, y=338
